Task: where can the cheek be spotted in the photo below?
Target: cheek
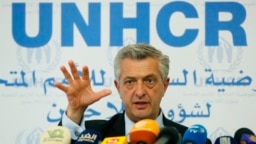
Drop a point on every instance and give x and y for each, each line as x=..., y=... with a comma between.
x=157, y=94
x=161, y=90
x=123, y=94
x=126, y=96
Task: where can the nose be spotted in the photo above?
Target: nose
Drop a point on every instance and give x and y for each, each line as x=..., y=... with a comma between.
x=140, y=89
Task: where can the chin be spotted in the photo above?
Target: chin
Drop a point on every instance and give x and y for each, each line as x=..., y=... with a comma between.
x=142, y=114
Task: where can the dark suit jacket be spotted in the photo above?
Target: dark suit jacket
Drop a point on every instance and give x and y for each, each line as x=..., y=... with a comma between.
x=116, y=126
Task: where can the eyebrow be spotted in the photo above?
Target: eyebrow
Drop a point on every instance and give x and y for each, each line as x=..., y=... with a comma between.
x=147, y=76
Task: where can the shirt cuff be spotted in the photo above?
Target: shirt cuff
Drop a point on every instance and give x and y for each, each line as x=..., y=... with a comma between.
x=74, y=128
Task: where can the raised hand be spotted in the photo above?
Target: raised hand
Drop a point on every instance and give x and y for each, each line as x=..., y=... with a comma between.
x=79, y=91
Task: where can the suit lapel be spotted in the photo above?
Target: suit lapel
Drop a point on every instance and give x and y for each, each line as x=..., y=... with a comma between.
x=115, y=126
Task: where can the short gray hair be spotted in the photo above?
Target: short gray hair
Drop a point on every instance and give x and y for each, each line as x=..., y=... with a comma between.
x=139, y=52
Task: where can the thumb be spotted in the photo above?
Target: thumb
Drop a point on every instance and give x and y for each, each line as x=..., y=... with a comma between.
x=104, y=93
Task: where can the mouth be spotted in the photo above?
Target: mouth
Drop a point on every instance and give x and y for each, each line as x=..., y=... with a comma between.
x=141, y=104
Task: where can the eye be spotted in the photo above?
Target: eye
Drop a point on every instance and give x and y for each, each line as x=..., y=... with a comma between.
x=149, y=80
x=129, y=82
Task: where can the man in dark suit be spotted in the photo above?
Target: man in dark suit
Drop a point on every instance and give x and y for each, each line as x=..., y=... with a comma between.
x=141, y=79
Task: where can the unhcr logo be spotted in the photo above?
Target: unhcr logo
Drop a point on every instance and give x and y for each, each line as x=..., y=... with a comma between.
x=223, y=57
x=42, y=59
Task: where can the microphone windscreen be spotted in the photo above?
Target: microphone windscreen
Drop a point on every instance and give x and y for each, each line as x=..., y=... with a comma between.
x=56, y=135
x=167, y=135
x=144, y=131
x=115, y=140
x=238, y=134
x=248, y=139
x=196, y=134
x=89, y=136
x=225, y=140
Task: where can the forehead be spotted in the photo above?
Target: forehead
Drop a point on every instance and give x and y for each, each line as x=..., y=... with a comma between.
x=143, y=67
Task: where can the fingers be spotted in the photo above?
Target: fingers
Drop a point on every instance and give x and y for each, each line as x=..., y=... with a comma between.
x=61, y=86
x=74, y=73
x=104, y=93
x=73, y=70
x=86, y=75
x=66, y=74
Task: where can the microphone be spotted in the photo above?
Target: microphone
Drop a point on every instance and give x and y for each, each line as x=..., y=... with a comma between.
x=196, y=134
x=238, y=134
x=89, y=136
x=168, y=135
x=56, y=135
x=225, y=140
x=115, y=140
x=144, y=132
x=248, y=139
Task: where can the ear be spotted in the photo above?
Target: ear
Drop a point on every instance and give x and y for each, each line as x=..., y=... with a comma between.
x=166, y=83
x=118, y=88
x=116, y=84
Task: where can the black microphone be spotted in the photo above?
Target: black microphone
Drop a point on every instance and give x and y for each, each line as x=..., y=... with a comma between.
x=238, y=134
x=89, y=136
x=168, y=135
